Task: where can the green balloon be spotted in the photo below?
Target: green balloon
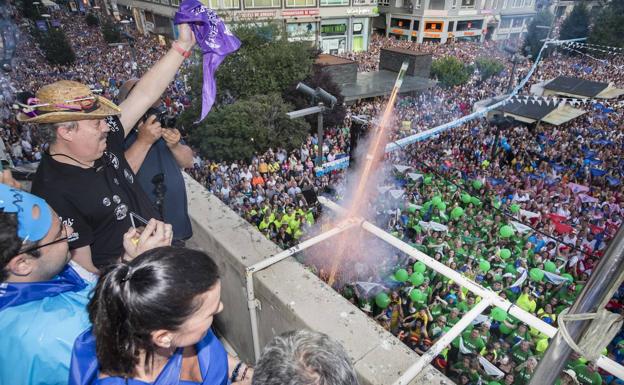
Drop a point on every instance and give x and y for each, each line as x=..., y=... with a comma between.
x=347, y=292
x=499, y=314
x=485, y=163
x=475, y=201
x=510, y=268
x=477, y=184
x=505, y=253
x=382, y=300
x=441, y=206
x=417, y=279
x=506, y=231
x=411, y=208
x=466, y=198
x=536, y=274
x=484, y=266
x=401, y=275
x=420, y=267
x=416, y=295
x=514, y=208
x=428, y=180
x=550, y=266
x=497, y=204
x=457, y=212
x=493, y=383
x=436, y=200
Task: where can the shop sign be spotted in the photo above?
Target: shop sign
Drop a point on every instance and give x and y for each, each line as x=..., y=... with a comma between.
x=300, y=12
x=432, y=35
x=257, y=15
x=397, y=31
x=359, y=11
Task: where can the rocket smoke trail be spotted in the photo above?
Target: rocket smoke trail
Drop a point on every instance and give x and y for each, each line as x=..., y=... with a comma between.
x=360, y=195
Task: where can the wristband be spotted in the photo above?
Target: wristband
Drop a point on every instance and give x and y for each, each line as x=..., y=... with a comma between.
x=235, y=371
x=180, y=50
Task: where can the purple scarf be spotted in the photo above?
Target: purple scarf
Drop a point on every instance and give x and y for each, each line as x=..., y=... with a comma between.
x=215, y=40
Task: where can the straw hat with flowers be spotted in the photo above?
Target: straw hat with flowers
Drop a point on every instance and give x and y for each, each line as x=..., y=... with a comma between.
x=65, y=101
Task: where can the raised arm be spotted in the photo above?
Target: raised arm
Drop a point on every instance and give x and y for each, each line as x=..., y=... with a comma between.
x=155, y=81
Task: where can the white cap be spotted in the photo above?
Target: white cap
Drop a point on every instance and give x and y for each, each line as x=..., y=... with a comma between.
x=572, y=374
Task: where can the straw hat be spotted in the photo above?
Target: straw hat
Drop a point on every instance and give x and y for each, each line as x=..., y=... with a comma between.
x=66, y=101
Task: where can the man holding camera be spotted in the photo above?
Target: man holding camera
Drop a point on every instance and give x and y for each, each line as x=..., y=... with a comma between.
x=156, y=156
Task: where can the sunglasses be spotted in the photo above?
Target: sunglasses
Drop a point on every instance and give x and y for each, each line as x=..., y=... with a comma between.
x=85, y=103
x=64, y=237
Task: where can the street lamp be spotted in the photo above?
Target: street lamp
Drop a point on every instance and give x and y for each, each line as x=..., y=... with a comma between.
x=324, y=101
x=36, y=4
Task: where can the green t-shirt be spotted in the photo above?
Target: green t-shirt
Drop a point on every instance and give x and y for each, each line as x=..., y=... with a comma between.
x=586, y=377
x=474, y=344
x=519, y=356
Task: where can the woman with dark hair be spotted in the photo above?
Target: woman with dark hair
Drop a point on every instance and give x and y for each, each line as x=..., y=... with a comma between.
x=151, y=325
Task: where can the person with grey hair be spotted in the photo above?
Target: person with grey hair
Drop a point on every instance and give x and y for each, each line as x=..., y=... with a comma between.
x=304, y=357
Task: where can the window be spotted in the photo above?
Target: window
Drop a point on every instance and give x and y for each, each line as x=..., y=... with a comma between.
x=517, y=22
x=434, y=26
x=454, y=5
x=468, y=3
x=302, y=3
x=164, y=2
x=465, y=25
x=417, y=4
x=324, y=2
x=384, y=2
x=262, y=3
x=505, y=23
x=495, y=5
x=451, y=25
x=362, y=2
x=400, y=23
x=416, y=25
x=436, y=4
x=505, y=3
x=175, y=2
x=223, y=4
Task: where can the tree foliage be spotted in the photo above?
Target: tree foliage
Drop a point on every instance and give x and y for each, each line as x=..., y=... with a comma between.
x=266, y=63
x=110, y=32
x=29, y=10
x=609, y=26
x=55, y=46
x=535, y=36
x=451, y=71
x=92, y=20
x=236, y=131
x=576, y=24
x=488, y=67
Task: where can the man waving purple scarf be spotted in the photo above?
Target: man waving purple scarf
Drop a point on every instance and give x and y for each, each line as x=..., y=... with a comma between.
x=215, y=40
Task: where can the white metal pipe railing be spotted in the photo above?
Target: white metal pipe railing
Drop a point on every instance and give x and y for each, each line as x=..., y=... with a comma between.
x=252, y=303
x=446, y=339
x=603, y=362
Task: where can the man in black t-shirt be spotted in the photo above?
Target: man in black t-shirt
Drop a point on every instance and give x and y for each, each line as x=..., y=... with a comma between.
x=84, y=175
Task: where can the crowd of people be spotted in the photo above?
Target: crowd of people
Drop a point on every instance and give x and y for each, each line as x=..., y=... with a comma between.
x=530, y=222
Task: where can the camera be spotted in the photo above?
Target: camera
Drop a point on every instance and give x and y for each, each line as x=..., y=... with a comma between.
x=162, y=116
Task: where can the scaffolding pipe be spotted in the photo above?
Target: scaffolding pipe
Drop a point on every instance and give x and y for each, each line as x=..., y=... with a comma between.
x=603, y=362
x=252, y=302
x=600, y=288
x=446, y=339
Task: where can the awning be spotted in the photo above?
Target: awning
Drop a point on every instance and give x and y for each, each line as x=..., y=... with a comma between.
x=562, y=114
x=611, y=92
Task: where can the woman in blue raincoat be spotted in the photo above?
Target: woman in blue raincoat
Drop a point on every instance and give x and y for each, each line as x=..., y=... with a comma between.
x=151, y=325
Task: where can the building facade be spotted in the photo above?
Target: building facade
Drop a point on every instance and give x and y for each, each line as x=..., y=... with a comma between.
x=443, y=20
x=335, y=26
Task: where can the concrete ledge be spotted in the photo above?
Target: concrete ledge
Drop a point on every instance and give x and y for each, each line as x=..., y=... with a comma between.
x=290, y=297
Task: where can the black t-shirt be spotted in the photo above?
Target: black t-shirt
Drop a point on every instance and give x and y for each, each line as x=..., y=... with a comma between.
x=96, y=201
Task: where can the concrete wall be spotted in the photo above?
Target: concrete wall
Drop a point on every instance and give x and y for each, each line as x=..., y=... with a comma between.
x=290, y=296
x=341, y=73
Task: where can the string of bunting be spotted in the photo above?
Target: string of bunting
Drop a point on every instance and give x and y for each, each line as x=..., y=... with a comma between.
x=595, y=47
x=554, y=100
x=603, y=61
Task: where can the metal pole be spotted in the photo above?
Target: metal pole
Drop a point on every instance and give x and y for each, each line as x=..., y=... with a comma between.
x=446, y=339
x=597, y=292
x=319, y=135
x=513, y=73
